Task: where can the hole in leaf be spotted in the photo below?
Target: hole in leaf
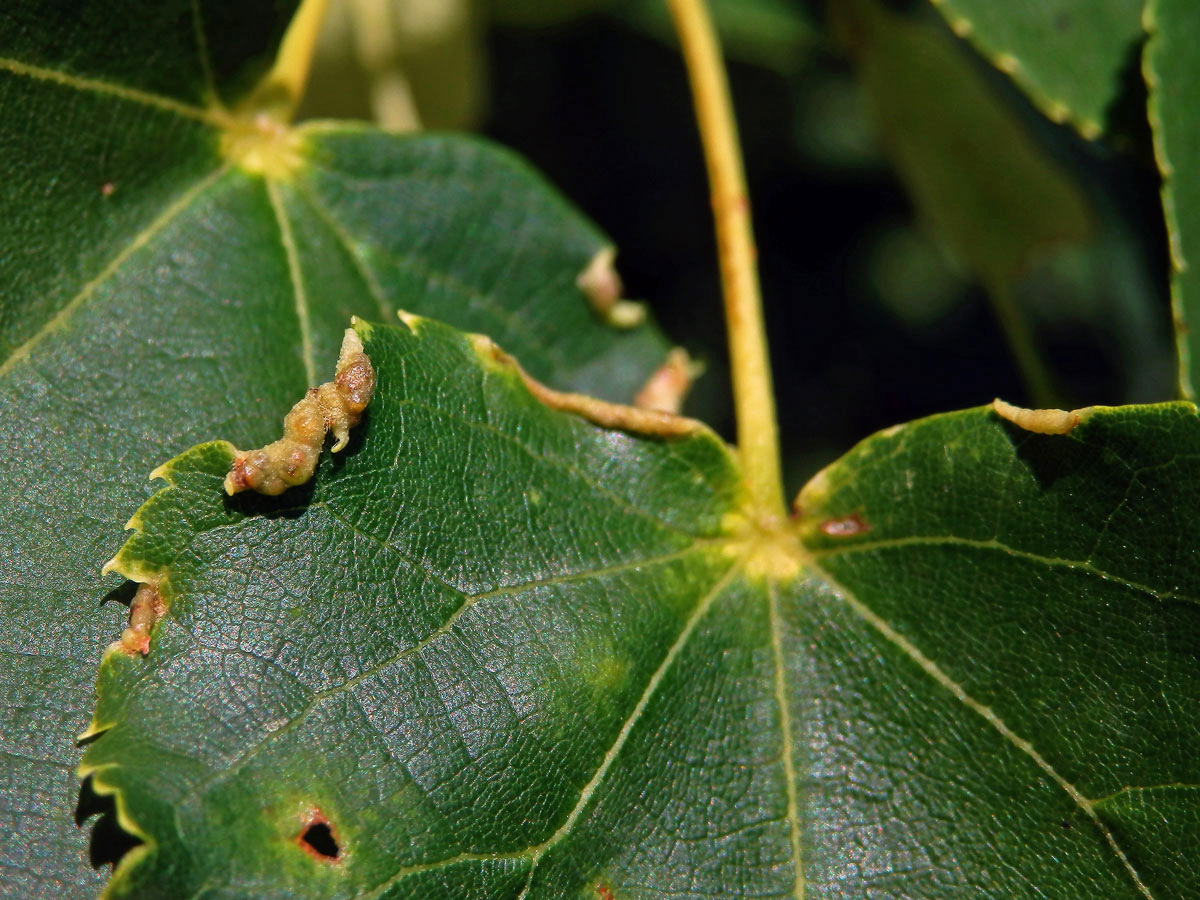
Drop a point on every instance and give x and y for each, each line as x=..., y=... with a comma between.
x=318, y=840
x=110, y=842
x=122, y=593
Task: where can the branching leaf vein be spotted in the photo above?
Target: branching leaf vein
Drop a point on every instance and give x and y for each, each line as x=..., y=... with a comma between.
x=940, y=677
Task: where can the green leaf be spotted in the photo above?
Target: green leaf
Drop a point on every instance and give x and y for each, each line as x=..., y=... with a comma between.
x=154, y=292
x=1048, y=586
x=1067, y=54
x=501, y=652
x=976, y=174
x=100, y=149
x=1172, y=72
x=978, y=177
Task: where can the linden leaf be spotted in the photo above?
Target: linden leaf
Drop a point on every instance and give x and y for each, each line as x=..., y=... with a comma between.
x=155, y=291
x=493, y=650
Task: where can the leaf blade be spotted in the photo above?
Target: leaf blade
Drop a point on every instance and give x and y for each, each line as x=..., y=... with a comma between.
x=1113, y=611
x=1170, y=68
x=1067, y=55
x=914, y=713
x=141, y=274
x=667, y=545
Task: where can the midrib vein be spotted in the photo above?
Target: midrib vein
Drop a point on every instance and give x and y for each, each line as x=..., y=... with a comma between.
x=287, y=239
x=934, y=671
x=342, y=236
x=785, y=725
x=98, y=86
x=140, y=240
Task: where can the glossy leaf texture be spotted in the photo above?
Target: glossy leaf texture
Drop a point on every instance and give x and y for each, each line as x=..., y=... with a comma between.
x=498, y=651
x=97, y=146
x=1172, y=71
x=154, y=292
x=1068, y=55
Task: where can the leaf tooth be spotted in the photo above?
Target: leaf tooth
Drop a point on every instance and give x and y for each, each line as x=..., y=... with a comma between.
x=412, y=320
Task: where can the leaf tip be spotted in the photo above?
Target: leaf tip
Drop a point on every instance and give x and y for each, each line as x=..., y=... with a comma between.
x=362, y=327
x=411, y=320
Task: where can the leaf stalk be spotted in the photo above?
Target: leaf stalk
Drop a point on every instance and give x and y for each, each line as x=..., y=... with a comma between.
x=754, y=403
x=281, y=90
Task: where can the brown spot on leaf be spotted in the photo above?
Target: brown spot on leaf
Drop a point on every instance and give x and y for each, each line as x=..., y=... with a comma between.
x=846, y=526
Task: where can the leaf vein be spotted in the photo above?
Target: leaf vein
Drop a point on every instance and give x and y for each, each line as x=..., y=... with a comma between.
x=785, y=725
x=1084, y=566
x=446, y=278
x=140, y=240
x=343, y=237
x=296, y=275
x=697, y=615
x=942, y=679
x=98, y=86
x=318, y=697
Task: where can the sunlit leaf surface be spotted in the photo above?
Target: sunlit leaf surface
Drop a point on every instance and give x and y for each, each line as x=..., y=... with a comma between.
x=493, y=650
x=153, y=292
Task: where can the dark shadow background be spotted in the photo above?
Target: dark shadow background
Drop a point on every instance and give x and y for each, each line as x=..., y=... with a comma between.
x=603, y=109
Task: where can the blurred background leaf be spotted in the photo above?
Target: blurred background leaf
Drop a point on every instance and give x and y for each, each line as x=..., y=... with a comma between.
x=1000, y=197
x=1173, y=71
x=1068, y=54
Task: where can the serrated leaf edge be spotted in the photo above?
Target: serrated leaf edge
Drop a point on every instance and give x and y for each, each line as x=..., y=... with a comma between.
x=491, y=359
x=1056, y=110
